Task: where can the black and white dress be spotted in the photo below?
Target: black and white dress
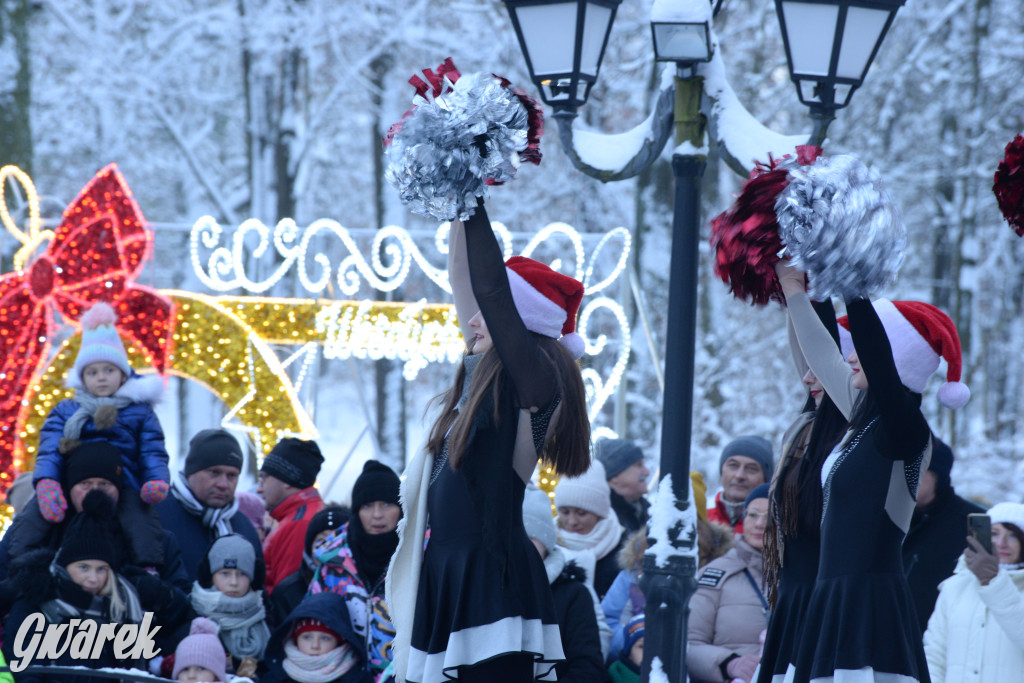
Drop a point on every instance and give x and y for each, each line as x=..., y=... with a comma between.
x=865, y=627
x=482, y=589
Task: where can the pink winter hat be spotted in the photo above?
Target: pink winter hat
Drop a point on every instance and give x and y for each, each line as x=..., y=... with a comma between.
x=201, y=647
x=100, y=343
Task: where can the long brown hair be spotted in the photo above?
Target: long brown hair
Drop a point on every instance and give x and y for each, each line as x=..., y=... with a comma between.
x=568, y=452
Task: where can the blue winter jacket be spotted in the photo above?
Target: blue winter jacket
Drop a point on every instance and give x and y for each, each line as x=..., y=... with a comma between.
x=136, y=434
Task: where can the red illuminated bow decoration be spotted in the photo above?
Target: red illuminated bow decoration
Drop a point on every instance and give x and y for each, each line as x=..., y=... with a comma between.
x=95, y=255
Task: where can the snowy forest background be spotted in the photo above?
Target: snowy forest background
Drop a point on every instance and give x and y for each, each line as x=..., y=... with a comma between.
x=275, y=108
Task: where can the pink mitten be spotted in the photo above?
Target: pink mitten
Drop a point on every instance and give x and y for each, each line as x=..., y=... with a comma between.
x=153, y=492
x=51, y=500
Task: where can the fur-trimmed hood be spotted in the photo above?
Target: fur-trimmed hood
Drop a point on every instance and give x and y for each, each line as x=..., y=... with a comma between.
x=138, y=388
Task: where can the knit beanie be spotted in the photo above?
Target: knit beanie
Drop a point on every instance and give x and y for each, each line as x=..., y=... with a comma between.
x=919, y=334
x=756, y=447
x=251, y=505
x=327, y=519
x=296, y=462
x=20, y=491
x=634, y=631
x=589, y=491
x=1008, y=513
x=758, y=492
x=201, y=647
x=232, y=552
x=616, y=455
x=546, y=300
x=700, y=494
x=308, y=624
x=538, y=518
x=100, y=344
x=941, y=463
x=93, y=459
x=376, y=482
x=94, y=534
x=212, y=448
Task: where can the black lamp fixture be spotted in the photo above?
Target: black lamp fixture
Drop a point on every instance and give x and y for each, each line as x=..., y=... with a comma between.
x=830, y=45
x=682, y=42
x=563, y=71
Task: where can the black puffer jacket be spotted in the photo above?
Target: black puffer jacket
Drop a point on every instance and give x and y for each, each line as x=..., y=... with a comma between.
x=937, y=537
x=577, y=621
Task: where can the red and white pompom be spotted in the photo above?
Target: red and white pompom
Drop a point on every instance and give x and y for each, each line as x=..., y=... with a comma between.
x=746, y=236
x=1008, y=185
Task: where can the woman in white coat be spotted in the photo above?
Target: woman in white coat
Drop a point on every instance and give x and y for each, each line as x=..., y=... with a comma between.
x=976, y=632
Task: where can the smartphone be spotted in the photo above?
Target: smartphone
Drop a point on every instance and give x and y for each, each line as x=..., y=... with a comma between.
x=980, y=526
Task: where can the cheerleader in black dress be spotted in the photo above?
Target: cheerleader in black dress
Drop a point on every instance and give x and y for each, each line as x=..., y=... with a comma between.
x=475, y=605
x=864, y=622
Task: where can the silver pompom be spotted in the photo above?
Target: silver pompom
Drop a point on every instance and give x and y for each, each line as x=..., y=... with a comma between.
x=452, y=146
x=841, y=228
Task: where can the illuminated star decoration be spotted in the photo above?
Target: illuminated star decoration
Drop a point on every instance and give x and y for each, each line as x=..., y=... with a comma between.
x=94, y=255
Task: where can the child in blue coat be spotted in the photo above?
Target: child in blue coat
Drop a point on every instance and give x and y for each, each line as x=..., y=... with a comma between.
x=112, y=403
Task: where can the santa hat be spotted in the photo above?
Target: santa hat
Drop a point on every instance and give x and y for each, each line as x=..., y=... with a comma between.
x=100, y=344
x=546, y=300
x=919, y=334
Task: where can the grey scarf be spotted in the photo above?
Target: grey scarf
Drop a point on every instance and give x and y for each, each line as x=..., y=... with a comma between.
x=87, y=407
x=242, y=621
x=470, y=363
x=217, y=520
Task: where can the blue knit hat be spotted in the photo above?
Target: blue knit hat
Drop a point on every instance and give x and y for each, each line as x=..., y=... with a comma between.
x=758, y=492
x=756, y=447
x=616, y=455
x=634, y=631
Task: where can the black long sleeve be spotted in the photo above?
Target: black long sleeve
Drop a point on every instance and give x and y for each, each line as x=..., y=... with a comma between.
x=905, y=428
x=525, y=363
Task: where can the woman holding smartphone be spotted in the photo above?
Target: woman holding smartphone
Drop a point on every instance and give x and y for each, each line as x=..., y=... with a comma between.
x=977, y=629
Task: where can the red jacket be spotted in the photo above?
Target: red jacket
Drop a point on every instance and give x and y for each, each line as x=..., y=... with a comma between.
x=283, y=547
x=719, y=514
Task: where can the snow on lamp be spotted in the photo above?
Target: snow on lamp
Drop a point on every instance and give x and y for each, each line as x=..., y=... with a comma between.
x=563, y=42
x=830, y=45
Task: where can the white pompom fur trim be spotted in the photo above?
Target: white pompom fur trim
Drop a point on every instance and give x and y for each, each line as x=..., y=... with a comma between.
x=539, y=313
x=139, y=388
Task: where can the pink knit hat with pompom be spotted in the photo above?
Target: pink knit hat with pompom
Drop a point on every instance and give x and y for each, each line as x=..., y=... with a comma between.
x=201, y=647
x=100, y=343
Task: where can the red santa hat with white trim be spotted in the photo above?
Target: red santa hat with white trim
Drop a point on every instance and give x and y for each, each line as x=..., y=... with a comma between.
x=919, y=334
x=547, y=301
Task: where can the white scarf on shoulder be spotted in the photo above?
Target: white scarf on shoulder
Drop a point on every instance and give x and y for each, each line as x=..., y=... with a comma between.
x=602, y=539
x=403, y=577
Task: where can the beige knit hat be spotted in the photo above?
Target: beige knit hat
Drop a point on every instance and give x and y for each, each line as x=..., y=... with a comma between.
x=589, y=491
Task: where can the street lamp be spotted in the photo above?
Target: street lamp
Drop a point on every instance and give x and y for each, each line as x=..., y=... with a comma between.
x=829, y=68
x=849, y=33
x=563, y=70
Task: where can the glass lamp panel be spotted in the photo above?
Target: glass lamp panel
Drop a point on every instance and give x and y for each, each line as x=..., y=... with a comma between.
x=843, y=92
x=597, y=23
x=863, y=30
x=681, y=42
x=810, y=34
x=549, y=32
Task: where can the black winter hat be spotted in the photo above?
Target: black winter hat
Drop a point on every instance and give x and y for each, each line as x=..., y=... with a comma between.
x=93, y=459
x=94, y=534
x=941, y=463
x=376, y=482
x=210, y=448
x=328, y=519
x=294, y=461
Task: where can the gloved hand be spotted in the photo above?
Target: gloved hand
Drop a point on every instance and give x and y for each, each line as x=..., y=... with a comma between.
x=982, y=564
x=52, y=504
x=150, y=587
x=153, y=492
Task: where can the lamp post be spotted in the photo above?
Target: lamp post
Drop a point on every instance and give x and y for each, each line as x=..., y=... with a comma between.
x=839, y=38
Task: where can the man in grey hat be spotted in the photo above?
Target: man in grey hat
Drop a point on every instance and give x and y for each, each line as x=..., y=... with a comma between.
x=746, y=463
x=627, y=477
x=202, y=506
